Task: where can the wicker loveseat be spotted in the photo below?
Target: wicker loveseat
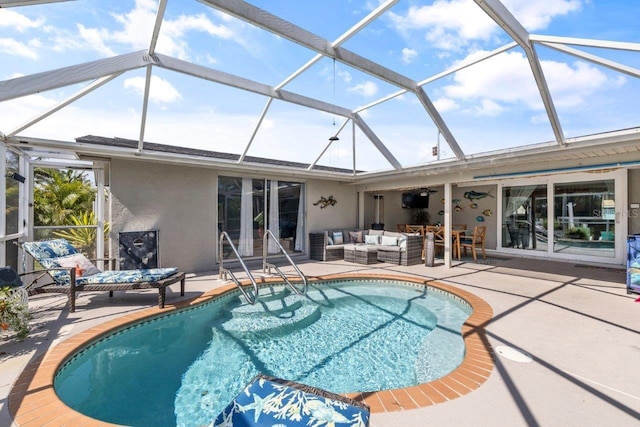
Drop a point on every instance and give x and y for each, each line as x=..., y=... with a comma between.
x=388, y=246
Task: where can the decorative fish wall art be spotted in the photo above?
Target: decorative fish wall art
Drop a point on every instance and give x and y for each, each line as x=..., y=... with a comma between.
x=476, y=195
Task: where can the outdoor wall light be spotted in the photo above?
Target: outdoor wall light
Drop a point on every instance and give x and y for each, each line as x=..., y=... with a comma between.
x=17, y=177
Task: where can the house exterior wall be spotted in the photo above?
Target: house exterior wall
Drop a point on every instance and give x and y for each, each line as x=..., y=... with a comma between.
x=344, y=214
x=179, y=201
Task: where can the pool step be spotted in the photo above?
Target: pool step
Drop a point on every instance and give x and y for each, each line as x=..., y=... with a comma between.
x=276, y=313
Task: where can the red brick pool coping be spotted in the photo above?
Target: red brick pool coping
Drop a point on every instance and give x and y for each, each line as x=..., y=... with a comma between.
x=33, y=400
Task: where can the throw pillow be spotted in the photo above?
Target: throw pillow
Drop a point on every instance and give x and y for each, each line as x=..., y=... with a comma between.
x=78, y=260
x=337, y=238
x=371, y=240
x=356, y=236
x=330, y=242
x=389, y=241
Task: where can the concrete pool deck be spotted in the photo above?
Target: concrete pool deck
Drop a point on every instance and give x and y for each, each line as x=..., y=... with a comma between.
x=573, y=330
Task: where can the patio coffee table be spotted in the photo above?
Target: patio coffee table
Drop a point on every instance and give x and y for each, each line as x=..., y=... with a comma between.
x=361, y=254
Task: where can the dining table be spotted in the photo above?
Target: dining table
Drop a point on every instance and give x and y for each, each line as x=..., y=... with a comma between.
x=456, y=235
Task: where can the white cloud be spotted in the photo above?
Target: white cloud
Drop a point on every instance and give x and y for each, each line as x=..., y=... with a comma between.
x=445, y=104
x=447, y=24
x=537, y=15
x=453, y=24
x=17, y=21
x=367, y=89
x=344, y=75
x=14, y=47
x=408, y=55
x=134, y=32
x=507, y=79
x=96, y=39
x=489, y=108
x=161, y=92
x=571, y=85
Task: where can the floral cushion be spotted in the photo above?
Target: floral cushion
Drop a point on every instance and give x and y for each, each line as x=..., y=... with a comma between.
x=270, y=403
x=44, y=249
x=128, y=276
x=59, y=253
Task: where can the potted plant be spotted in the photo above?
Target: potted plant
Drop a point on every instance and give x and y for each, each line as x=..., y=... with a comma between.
x=14, y=314
x=421, y=217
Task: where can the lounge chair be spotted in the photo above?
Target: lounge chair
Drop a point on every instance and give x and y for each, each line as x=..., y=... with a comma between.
x=271, y=401
x=72, y=272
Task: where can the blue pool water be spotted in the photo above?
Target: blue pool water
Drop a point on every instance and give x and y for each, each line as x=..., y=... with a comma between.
x=184, y=368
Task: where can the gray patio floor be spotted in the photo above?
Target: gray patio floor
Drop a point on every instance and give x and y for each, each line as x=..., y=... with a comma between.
x=576, y=323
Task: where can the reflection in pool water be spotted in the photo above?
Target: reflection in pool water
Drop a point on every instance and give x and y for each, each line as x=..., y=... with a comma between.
x=182, y=369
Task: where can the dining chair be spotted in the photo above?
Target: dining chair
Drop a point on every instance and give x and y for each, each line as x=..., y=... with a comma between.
x=474, y=241
x=438, y=236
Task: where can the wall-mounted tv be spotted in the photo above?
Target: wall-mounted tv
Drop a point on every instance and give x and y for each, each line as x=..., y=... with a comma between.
x=415, y=201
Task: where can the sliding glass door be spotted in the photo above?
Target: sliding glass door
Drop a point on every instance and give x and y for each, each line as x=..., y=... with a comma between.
x=577, y=218
x=524, y=217
x=247, y=207
x=584, y=218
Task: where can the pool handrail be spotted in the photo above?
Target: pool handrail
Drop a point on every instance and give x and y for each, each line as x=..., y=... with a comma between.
x=269, y=266
x=225, y=271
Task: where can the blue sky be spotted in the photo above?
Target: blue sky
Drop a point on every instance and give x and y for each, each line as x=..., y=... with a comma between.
x=490, y=106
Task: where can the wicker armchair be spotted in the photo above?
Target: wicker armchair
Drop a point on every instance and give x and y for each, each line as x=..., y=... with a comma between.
x=321, y=250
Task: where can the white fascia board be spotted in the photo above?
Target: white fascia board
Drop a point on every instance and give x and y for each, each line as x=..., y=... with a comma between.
x=520, y=155
x=633, y=72
x=104, y=151
x=227, y=79
x=61, y=77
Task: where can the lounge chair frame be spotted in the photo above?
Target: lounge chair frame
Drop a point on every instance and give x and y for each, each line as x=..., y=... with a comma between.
x=73, y=288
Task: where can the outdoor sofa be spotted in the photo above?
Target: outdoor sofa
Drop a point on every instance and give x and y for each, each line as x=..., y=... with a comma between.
x=365, y=246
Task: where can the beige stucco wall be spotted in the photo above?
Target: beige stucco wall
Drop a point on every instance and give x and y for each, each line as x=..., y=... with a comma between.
x=179, y=201
x=344, y=214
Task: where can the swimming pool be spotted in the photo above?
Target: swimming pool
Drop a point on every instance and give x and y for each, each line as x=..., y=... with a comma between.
x=93, y=372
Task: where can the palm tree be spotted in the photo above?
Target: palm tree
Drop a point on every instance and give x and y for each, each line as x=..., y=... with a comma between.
x=60, y=194
x=66, y=197
x=83, y=239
